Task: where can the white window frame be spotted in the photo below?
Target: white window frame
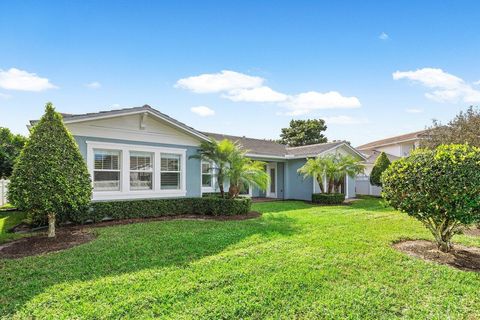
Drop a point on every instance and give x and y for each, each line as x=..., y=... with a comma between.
x=119, y=170
x=179, y=171
x=152, y=170
x=212, y=188
x=125, y=192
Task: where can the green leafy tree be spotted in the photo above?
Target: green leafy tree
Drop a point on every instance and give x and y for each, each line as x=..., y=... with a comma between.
x=10, y=147
x=50, y=179
x=439, y=187
x=243, y=171
x=217, y=152
x=304, y=132
x=334, y=167
x=464, y=128
x=381, y=164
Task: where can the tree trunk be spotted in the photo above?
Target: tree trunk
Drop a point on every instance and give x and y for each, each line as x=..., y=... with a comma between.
x=443, y=234
x=220, y=183
x=320, y=184
x=233, y=191
x=51, y=225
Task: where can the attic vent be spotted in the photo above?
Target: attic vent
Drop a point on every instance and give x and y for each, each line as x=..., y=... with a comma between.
x=143, y=121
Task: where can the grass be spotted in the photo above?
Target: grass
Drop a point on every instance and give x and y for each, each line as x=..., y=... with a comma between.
x=296, y=261
x=9, y=219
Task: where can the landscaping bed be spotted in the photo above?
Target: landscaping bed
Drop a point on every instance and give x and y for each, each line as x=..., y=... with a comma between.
x=460, y=257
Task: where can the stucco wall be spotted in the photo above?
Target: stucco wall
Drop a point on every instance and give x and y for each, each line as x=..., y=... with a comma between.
x=296, y=187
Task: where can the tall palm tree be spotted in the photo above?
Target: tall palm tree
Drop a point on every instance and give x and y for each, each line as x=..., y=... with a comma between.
x=219, y=153
x=334, y=167
x=245, y=171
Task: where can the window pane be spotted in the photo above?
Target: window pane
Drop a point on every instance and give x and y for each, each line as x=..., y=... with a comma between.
x=170, y=180
x=141, y=180
x=106, y=159
x=170, y=162
x=272, y=180
x=141, y=161
x=106, y=180
x=206, y=180
x=206, y=167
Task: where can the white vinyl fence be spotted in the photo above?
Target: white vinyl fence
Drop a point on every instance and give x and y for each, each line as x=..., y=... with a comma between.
x=3, y=191
x=363, y=186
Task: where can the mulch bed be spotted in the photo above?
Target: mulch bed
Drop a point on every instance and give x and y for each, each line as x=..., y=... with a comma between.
x=475, y=232
x=460, y=257
x=38, y=244
x=71, y=236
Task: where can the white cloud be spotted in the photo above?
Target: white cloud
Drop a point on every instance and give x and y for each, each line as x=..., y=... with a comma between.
x=477, y=82
x=306, y=102
x=15, y=79
x=5, y=96
x=413, y=110
x=225, y=80
x=203, y=111
x=345, y=120
x=93, y=85
x=383, y=36
x=448, y=88
x=260, y=94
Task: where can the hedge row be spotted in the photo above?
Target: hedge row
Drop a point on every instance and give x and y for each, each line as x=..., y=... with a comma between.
x=213, y=206
x=328, y=198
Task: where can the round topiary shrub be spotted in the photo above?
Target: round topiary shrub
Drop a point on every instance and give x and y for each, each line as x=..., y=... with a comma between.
x=440, y=188
x=50, y=180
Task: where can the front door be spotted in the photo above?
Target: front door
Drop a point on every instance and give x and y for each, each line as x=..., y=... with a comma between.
x=272, y=187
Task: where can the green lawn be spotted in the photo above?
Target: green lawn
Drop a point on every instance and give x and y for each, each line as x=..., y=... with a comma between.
x=297, y=261
x=9, y=219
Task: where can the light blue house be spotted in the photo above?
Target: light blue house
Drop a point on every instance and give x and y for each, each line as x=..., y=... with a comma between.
x=141, y=153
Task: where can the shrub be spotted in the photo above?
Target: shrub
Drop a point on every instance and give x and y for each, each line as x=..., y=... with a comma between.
x=127, y=209
x=381, y=164
x=440, y=188
x=328, y=198
x=50, y=180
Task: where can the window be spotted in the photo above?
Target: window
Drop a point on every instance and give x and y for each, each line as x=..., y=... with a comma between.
x=106, y=176
x=207, y=174
x=169, y=171
x=141, y=170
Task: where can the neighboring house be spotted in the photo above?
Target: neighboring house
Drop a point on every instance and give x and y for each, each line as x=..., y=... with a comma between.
x=141, y=153
x=371, y=157
x=398, y=146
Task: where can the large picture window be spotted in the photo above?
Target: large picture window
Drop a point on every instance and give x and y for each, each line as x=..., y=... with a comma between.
x=141, y=170
x=207, y=174
x=170, y=171
x=106, y=176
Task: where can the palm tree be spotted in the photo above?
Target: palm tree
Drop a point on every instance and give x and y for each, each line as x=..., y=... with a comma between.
x=244, y=171
x=334, y=168
x=219, y=153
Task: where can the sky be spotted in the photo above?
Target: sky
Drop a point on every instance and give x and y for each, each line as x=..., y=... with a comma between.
x=371, y=69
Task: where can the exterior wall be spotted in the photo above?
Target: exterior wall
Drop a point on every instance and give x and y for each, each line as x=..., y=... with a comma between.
x=296, y=187
x=192, y=168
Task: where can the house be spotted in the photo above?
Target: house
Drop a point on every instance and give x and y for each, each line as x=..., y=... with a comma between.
x=371, y=157
x=398, y=146
x=141, y=153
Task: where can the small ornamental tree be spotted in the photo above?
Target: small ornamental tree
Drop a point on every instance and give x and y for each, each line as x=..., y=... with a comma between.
x=440, y=188
x=381, y=164
x=50, y=179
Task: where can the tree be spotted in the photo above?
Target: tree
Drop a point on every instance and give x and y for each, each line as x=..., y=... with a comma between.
x=218, y=153
x=243, y=171
x=50, y=179
x=438, y=187
x=381, y=164
x=464, y=128
x=304, y=132
x=10, y=147
x=334, y=167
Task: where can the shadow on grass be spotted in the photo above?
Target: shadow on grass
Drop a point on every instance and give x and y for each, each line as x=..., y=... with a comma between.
x=130, y=248
x=9, y=219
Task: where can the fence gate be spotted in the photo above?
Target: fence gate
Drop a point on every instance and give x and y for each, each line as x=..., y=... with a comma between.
x=363, y=186
x=3, y=191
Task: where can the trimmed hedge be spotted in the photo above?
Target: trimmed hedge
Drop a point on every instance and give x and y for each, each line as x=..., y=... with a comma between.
x=128, y=209
x=328, y=198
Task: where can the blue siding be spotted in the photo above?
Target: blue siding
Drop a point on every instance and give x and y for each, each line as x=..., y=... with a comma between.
x=193, y=165
x=296, y=187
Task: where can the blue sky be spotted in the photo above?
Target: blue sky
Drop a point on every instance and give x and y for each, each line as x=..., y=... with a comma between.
x=372, y=69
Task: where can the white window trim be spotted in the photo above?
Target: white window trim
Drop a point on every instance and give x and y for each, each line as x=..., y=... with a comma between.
x=125, y=192
x=213, y=188
x=152, y=170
